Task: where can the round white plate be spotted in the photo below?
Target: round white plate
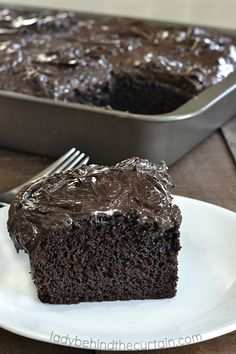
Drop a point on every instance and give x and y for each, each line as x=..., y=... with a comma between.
x=204, y=307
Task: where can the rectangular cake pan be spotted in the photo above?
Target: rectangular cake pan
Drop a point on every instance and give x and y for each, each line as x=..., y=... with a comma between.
x=48, y=127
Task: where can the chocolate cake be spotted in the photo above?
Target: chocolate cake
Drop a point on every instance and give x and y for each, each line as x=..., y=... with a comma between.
x=100, y=233
x=128, y=65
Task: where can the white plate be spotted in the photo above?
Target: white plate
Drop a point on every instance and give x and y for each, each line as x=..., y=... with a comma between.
x=205, y=305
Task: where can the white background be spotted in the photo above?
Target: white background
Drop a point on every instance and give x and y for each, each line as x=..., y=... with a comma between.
x=219, y=13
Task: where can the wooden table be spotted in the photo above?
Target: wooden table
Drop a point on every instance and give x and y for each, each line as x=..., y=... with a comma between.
x=206, y=173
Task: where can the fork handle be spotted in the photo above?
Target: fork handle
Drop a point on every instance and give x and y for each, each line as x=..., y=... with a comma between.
x=56, y=166
x=8, y=197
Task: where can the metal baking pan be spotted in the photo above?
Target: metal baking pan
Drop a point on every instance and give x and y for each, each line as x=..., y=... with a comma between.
x=48, y=127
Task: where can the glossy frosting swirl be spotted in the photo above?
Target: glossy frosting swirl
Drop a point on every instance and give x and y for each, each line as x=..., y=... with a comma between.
x=64, y=56
x=134, y=186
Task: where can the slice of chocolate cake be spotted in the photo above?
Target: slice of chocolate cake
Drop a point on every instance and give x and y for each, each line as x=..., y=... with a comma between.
x=100, y=233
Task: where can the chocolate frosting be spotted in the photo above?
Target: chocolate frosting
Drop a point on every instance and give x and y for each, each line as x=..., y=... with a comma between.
x=134, y=186
x=61, y=55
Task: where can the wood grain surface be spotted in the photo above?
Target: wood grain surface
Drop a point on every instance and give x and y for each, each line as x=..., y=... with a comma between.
x=207, y=173
x=229, y=133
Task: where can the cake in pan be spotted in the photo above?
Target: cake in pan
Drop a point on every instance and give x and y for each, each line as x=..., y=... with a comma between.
x=123, y=64
x=100, y=233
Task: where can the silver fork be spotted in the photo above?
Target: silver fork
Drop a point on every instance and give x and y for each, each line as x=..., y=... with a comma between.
x=73, y=158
